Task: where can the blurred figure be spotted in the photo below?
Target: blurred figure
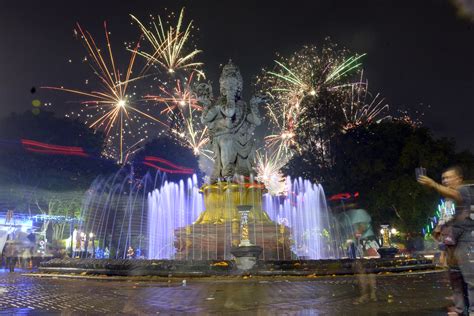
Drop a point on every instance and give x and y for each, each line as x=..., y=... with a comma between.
x=356, y=225
x=450, y=232
x=130, y=253
x=464, y=255
x=11, y=255
x=25, y=258
x=366, y=282
x=351, y=249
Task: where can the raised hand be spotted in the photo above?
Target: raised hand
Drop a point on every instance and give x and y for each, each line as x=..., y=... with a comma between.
x=427, y=181
x=258, y=99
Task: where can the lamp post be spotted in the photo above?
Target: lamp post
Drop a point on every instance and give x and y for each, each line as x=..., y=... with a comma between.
x=386, y=251
x=244, y=211
x=246, y=253
x=385, y=235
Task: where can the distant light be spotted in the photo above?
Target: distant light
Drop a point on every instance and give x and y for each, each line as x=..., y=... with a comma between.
x=182, y=102
x=36, y=103
x=91, y=235
x=393, y=231
x=313, y=92
x=171, y=70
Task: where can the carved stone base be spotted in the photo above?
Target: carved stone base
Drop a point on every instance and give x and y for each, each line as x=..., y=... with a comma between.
x=215, y=241
x=246, y=256
x=387, y=252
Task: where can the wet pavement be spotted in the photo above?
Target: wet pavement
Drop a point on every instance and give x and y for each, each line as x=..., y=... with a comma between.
x=397, y=294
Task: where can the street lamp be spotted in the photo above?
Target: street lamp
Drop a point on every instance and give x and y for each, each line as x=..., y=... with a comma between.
x=385, y=232
x=387, y=250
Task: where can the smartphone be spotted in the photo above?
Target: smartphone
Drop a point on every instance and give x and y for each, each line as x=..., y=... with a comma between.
x=420, y=172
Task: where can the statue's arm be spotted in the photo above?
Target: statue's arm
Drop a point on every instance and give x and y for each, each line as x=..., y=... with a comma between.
x=254, y=116
x=209, y=113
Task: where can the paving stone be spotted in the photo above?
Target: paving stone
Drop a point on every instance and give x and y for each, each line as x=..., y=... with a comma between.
x=414, y=293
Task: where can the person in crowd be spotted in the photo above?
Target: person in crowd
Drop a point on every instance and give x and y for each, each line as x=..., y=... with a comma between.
x=450, y=232
x=25, y=258
x=366, y=282
x=11, y=255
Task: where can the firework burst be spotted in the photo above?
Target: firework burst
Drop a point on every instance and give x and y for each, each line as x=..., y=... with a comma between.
x=183, y=111
x=308, y=82
x=179, y=98
x=114, y=105
x=297, y=83
x=284, y=121
x=268, y=168
x=359, y=111
x=170, y=45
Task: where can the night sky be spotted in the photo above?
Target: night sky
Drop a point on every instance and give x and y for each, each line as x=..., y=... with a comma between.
x=420, y=53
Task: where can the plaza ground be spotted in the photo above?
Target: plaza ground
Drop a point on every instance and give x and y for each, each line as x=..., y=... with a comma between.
x=424, y=293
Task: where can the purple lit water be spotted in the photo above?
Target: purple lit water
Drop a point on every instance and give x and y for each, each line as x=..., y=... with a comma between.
x=304, y=210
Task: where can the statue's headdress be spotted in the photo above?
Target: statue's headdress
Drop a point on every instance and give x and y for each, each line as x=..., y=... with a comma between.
x=231, y=71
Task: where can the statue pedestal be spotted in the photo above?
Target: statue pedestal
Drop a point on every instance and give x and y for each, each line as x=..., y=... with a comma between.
x=215, y=241
x=246, y=256
x=221, y=201
x=217, y=230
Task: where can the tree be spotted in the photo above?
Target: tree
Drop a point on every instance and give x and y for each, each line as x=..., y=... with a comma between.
x=378, y=161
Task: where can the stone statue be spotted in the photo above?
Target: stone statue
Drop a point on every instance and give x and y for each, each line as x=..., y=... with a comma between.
x=231, y=123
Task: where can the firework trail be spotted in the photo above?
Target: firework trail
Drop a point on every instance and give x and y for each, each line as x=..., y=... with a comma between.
x=181, y=96
x=183, y=111
x=170, y=51
x=268, y=168
x=114, y=105
x=305, y=75
x=170, y=45
x=358, y=111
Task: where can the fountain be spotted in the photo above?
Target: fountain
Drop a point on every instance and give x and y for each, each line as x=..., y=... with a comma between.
x=171, y=206
x=216, y=231
x=182, y=227
x=160, y=219
x=115, y=212
x=315, y=232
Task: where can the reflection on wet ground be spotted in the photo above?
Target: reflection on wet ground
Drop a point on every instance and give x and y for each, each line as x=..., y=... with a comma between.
x=412, y=293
